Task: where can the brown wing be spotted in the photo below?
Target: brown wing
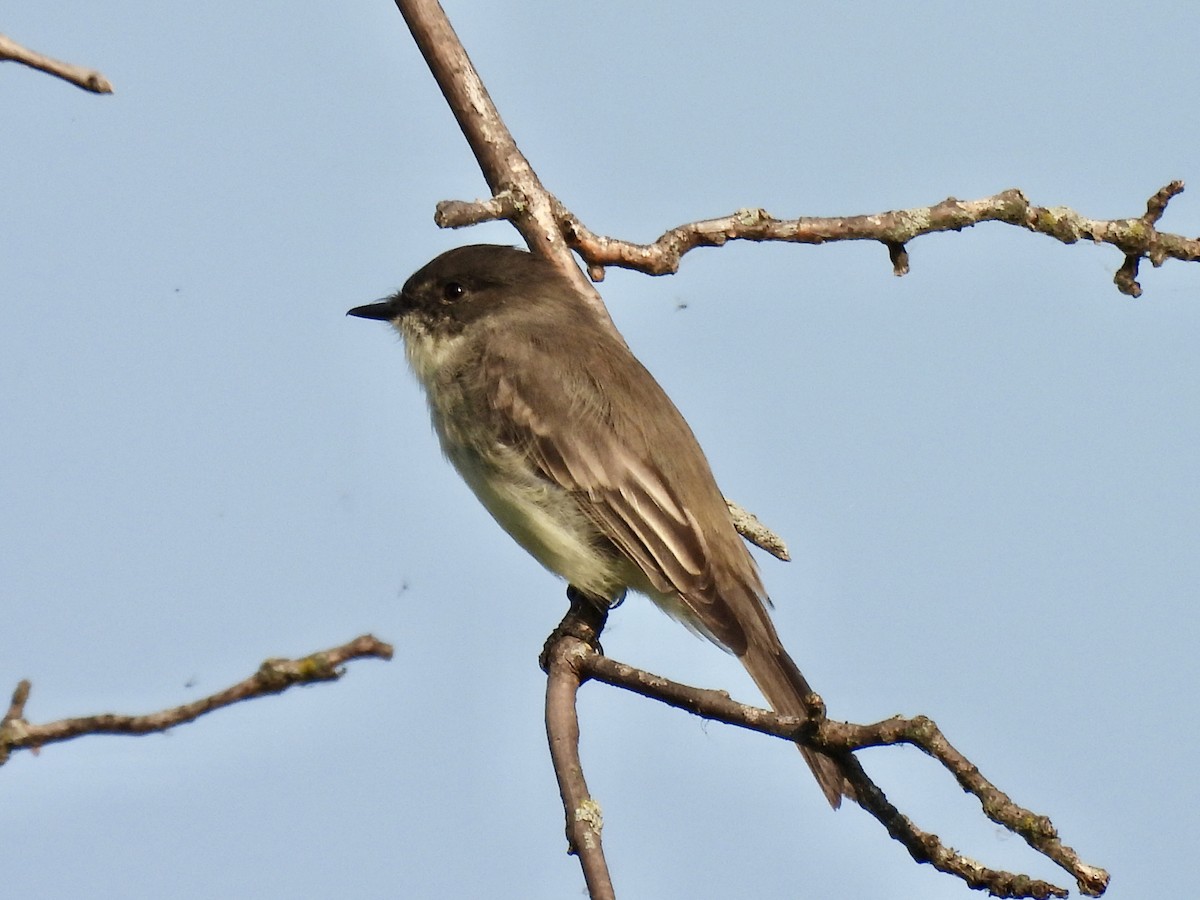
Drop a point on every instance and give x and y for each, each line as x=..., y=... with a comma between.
x=609, y=434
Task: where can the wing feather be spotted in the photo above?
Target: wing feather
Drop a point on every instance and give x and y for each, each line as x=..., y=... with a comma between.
x=580, y=440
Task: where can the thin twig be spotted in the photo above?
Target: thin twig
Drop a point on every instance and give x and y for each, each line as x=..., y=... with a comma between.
x=88, y=79
x=1126, y=276
x=273, y=676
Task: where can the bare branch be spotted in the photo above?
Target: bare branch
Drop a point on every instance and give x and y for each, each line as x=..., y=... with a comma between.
x=845, y=738
x=461, y=213
x=273, y=677
x=1137, y=237
x=16, y=709
x=88, y=79
x=549, y=228
x=560, y=660
x=504, y=167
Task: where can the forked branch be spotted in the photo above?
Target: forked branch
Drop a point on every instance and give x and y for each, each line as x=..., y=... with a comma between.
x=572, y=656
x=549, y=227
x=1138, y=238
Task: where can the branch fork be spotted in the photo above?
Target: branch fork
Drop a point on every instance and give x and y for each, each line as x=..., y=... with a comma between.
x=570, y=660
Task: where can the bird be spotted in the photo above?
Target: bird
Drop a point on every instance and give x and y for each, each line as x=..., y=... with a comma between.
x=579, y=454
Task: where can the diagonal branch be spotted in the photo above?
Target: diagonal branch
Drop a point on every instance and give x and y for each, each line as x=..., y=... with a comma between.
x=274, y=676
x=574, y=659
x=527, y=204
x=88, y=79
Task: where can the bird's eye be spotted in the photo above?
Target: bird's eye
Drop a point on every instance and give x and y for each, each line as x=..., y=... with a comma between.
x=452, y=290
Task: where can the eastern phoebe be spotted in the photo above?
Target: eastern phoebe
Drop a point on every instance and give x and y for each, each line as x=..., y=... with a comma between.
x=577, y=452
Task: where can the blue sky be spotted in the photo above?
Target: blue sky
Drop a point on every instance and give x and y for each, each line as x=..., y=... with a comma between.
x=985, y=470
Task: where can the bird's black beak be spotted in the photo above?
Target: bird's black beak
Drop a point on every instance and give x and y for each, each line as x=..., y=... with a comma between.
x=384, y=310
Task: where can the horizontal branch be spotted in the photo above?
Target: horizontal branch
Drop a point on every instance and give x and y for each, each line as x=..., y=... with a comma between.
x=88, y=79
x=1137, y=237
x=506, y=204
x=273, y=677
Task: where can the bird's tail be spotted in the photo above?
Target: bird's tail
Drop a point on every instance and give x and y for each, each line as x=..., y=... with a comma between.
x=785, y=688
